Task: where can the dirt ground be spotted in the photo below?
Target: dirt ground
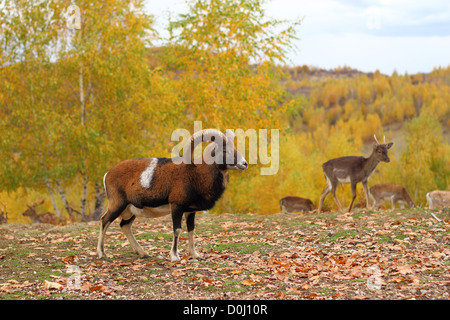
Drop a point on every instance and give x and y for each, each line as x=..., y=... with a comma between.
x=393, y=254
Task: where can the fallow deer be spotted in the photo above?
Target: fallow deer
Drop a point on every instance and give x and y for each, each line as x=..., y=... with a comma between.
x=396, y=193
x=296, y=204
x=438, y=198
x=352, y=169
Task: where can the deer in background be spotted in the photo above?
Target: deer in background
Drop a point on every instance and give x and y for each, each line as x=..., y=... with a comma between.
x=388, y=191
x=35, y=217
x=438, y=198
x=3, y=213
x=296, y=204
x=352, y=169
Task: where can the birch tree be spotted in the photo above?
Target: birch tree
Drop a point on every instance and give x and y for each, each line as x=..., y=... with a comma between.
x=75, y=94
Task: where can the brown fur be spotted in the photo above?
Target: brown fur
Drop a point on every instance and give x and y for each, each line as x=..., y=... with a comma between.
x=394, y=192
x=296, y=204
x=169, y=186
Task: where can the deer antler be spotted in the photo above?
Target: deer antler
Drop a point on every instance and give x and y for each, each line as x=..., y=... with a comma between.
x=384, y=139
x=376, y=139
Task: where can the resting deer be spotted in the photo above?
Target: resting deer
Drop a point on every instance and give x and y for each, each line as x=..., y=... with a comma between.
x=352, y=170
x=35, y=217
x=396, y=193
x=296, y=204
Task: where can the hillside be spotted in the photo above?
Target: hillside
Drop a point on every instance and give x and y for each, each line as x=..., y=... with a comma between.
x=346, y=93
x=330, y=96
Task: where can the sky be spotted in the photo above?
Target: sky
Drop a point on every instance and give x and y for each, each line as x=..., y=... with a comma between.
x=386, y=35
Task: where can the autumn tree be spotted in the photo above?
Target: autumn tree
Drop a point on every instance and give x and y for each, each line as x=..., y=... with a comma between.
x=222, y=53
x=423, y=165
x=78, y=94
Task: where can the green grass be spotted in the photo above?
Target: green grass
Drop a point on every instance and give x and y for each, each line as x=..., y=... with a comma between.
x=243, y=248
x=331, y=237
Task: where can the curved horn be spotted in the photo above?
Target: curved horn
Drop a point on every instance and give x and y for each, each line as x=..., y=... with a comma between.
x=198, y=137
x=376, y=139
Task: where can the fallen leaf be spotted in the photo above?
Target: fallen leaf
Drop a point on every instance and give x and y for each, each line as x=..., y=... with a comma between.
x=399, y=279
x=429, y=241
x=178, y=272
x=85, y=286
x=49, y=285
x=98, y=288
x=404, y=269
x=248, y=282
x=72, y=258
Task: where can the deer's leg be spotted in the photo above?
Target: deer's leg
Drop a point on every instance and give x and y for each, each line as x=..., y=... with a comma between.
x=353, y=185
x=366, y=191
x=333, y=192
x=376, y=204
x=324, y=193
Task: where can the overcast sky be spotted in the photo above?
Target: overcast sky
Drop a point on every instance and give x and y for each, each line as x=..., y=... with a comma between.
x=404, y=35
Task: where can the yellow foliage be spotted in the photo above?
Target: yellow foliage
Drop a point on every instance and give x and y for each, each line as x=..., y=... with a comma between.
x=105, y=97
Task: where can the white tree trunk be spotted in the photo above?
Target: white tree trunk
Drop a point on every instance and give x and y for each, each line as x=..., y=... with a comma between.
x=84, y=197
x=52, y=198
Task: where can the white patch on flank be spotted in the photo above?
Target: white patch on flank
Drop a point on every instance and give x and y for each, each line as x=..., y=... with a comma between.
x=147, y=174
x=341, y=175
x=344, y=180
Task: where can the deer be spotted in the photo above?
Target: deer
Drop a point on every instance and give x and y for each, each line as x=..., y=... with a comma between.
x=35, y=217
x=352, y=170
x=389, y=191
x=438, y=198
x=296, y=204
x=3, y=213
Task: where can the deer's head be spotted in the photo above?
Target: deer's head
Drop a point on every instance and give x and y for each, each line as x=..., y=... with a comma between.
x=381, y=149
x=31, y=211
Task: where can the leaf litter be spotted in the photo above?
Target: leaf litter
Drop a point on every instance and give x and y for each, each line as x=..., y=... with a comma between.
x=246, y=256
